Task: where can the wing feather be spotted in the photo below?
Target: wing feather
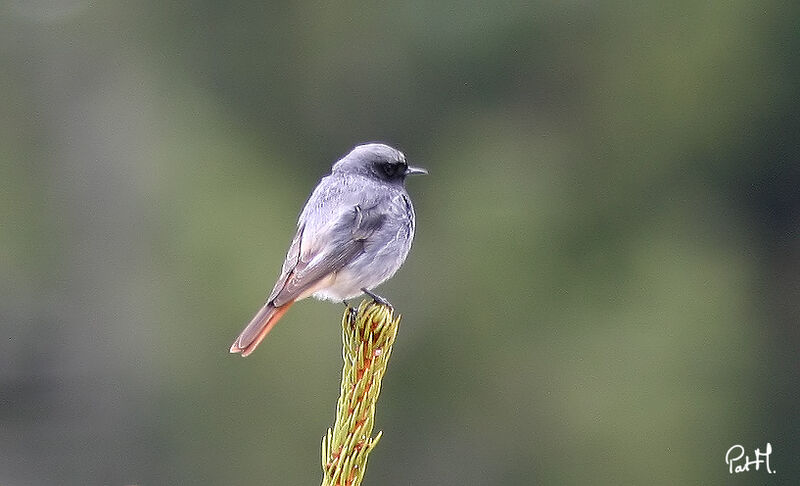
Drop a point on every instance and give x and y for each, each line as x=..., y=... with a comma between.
x=312, y=258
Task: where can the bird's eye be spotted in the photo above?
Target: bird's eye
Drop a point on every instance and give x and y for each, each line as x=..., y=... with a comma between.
x=390, y=169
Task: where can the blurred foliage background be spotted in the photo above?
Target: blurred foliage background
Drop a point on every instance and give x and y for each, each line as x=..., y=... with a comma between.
x=604, y=288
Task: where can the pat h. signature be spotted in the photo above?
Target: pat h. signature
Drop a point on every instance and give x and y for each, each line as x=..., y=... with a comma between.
x=738, y=462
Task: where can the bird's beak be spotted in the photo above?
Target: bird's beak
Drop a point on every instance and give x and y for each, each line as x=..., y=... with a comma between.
x=415, y=170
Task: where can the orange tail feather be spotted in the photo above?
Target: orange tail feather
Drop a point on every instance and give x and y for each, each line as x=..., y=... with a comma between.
x=257, y=330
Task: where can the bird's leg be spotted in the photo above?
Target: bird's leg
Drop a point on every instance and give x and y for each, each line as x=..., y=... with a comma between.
x=352, y=310
x=377, y=298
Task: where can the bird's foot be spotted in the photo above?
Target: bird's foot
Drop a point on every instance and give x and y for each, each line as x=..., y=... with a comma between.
x=351, y=310
x=377, y=298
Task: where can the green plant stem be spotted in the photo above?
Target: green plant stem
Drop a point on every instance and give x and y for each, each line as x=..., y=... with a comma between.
x=367, y=339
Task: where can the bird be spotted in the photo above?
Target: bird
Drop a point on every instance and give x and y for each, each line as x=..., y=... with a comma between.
x=353, y=234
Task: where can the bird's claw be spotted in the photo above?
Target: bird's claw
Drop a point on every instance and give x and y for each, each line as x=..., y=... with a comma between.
x=377, y=298
x=351, y=311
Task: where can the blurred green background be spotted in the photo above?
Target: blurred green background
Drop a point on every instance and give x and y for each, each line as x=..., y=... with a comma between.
x=604, y=288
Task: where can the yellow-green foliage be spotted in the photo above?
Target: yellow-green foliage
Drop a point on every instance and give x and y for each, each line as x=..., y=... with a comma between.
x=367, y=337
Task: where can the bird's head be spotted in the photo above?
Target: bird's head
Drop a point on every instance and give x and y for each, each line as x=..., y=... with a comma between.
x=379, y=161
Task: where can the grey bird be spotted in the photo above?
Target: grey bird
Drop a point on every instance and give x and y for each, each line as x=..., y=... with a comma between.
x=353, y=234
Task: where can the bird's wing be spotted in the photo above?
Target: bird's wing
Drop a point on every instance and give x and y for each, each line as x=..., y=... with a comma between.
x=333, y=245
x=292, y=259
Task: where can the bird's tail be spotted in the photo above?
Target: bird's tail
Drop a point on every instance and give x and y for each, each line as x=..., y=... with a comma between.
x=258, y=328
